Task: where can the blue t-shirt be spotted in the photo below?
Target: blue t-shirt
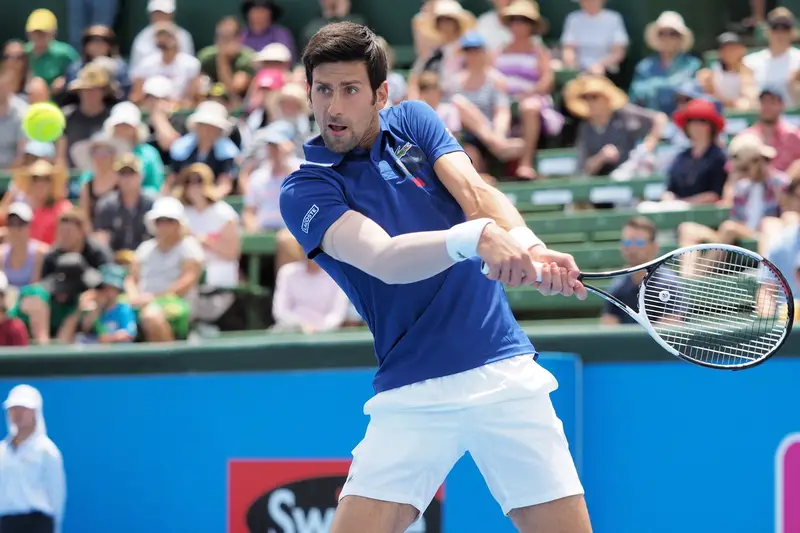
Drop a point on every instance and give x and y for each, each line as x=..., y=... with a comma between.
x=452, y=322
x=119, y=317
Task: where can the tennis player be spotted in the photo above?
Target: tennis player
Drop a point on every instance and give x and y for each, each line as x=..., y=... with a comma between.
x=391, y=207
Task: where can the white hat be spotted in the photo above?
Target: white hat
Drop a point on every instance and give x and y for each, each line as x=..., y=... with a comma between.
x=668, y=20
x=211, y=113
x=126, y=113
x=164, y=6
x=277, y=52
x=158, y=86
x=3, y=281
x=40, y=149
x=21, y=210
x=165, y=207
x=748, y=146
x=23, y=396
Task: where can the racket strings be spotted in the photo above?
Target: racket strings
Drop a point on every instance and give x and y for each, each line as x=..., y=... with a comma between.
x=719, y=307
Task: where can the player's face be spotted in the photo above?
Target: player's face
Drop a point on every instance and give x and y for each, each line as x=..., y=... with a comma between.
x=345, y=106
x=22, y=417
x=637, y=246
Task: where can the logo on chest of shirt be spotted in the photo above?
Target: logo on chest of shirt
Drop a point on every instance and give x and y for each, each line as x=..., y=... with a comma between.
x=410, y=162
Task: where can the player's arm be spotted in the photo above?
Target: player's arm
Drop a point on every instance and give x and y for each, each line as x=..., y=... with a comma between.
x=316, y=212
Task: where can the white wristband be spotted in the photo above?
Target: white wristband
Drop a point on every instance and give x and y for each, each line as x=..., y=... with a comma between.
x=525, y=237
x=462, y=239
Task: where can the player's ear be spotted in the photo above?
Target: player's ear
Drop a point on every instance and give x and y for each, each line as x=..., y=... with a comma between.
x=382, y=95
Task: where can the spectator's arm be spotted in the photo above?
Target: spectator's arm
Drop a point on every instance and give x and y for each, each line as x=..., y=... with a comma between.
x=62, y=158
x=165, y=133
x=84, y=203
x=282, y=310
x=137, y=94
x=227, y=245
x=615, y=57
x=132, y=280
x=639, y=91
x=224, y=185
x=249, y=219
x=55, y=485
x=337, y=313
x=501, y=121
x=547, y=79
x=38, y=261
x=191, y=270
x=569, y=51
x=659, y=122
x=608, y=319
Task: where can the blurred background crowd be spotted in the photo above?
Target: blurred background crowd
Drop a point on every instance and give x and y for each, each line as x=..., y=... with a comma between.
x=155, y=217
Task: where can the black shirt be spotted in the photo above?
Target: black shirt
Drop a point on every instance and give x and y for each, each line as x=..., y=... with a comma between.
x=95, y=254
x=689, y=176
x=81, y=127
x=125, y=226
x=627, y=292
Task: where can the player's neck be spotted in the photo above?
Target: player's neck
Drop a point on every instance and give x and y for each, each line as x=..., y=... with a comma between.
x=371, y=135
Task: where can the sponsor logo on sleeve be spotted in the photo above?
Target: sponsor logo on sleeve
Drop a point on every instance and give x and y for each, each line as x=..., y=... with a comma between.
x=310, y=214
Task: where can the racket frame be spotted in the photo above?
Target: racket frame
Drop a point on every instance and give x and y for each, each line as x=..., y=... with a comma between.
x=641, y=317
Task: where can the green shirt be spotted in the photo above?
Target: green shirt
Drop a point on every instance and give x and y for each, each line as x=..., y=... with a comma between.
x=53, y=62
x=152, y=168
x=58, y=311
x=243, y=62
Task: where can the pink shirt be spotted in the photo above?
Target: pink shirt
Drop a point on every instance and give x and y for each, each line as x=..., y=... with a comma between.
x=786, y=142
x=308, y=298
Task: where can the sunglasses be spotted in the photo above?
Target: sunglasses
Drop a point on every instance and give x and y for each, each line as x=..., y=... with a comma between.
x=428, y=87
x=590, y=97
x=40, y=179
x=195, y=180
x=628, y=243
x=127, y=172
x=517, y=18
x=164, y=220
x=98, y=39
x=781, y=26
x=13, y=57
x=669, y=33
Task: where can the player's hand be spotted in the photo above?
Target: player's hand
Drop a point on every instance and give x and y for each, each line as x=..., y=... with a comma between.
x=508, y=263
x=559, y=273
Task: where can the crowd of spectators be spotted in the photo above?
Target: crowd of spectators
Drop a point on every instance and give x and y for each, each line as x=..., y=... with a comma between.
x=125, y=228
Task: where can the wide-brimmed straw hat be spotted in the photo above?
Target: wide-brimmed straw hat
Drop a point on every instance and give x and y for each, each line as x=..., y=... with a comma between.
x=205, y=173
x=529, y=10
x=700, y=109
x=58, y=177
x=668, y=20
x=577, y=89
x=446, y=9
x=211, y=113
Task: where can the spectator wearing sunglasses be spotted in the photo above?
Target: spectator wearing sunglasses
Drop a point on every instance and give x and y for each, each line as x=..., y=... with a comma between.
x=658, y=76
x=637, y=245
x=778, y=65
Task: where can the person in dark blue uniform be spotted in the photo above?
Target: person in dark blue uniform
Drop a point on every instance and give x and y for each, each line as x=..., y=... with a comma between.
x=390, y=206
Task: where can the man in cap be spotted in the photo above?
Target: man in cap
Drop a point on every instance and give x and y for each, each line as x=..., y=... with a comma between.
x=12, y=329
x=777, y=132
x=33, y=491
x=47, y=58
x=119, y=215
x=165, y=270
x=44, y=311
x=169, y=61
x=227, y=61
x=144, y=44
x=92, y=85
x=104, y=318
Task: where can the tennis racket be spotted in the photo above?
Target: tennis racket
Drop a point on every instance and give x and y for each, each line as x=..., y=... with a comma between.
x=714, y=305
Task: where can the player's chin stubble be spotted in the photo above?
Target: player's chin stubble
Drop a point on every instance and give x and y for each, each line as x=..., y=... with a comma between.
x=338, y=144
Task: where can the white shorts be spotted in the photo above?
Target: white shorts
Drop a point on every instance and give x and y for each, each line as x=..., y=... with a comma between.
x=501, y=413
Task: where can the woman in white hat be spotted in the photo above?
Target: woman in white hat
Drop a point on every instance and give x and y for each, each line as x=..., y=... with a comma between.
x=658, y=76
x=33, y=487
x=125, y=124
x=208, y=142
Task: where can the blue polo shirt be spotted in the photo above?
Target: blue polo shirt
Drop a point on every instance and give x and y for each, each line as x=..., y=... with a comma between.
x=452, y=322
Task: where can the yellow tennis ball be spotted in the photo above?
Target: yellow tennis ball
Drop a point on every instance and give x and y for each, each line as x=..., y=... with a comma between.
x=44, y=122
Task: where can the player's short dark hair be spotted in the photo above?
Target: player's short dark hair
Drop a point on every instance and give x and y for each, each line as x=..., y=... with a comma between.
x=644, y=224
x=347, y=42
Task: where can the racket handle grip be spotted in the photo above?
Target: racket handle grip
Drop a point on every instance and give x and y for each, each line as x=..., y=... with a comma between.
x=536, y=266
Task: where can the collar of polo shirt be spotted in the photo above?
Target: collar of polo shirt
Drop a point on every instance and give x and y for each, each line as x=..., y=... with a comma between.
x=318, y=154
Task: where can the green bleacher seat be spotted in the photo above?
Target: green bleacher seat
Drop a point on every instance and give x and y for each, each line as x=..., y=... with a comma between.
x=564, y=191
